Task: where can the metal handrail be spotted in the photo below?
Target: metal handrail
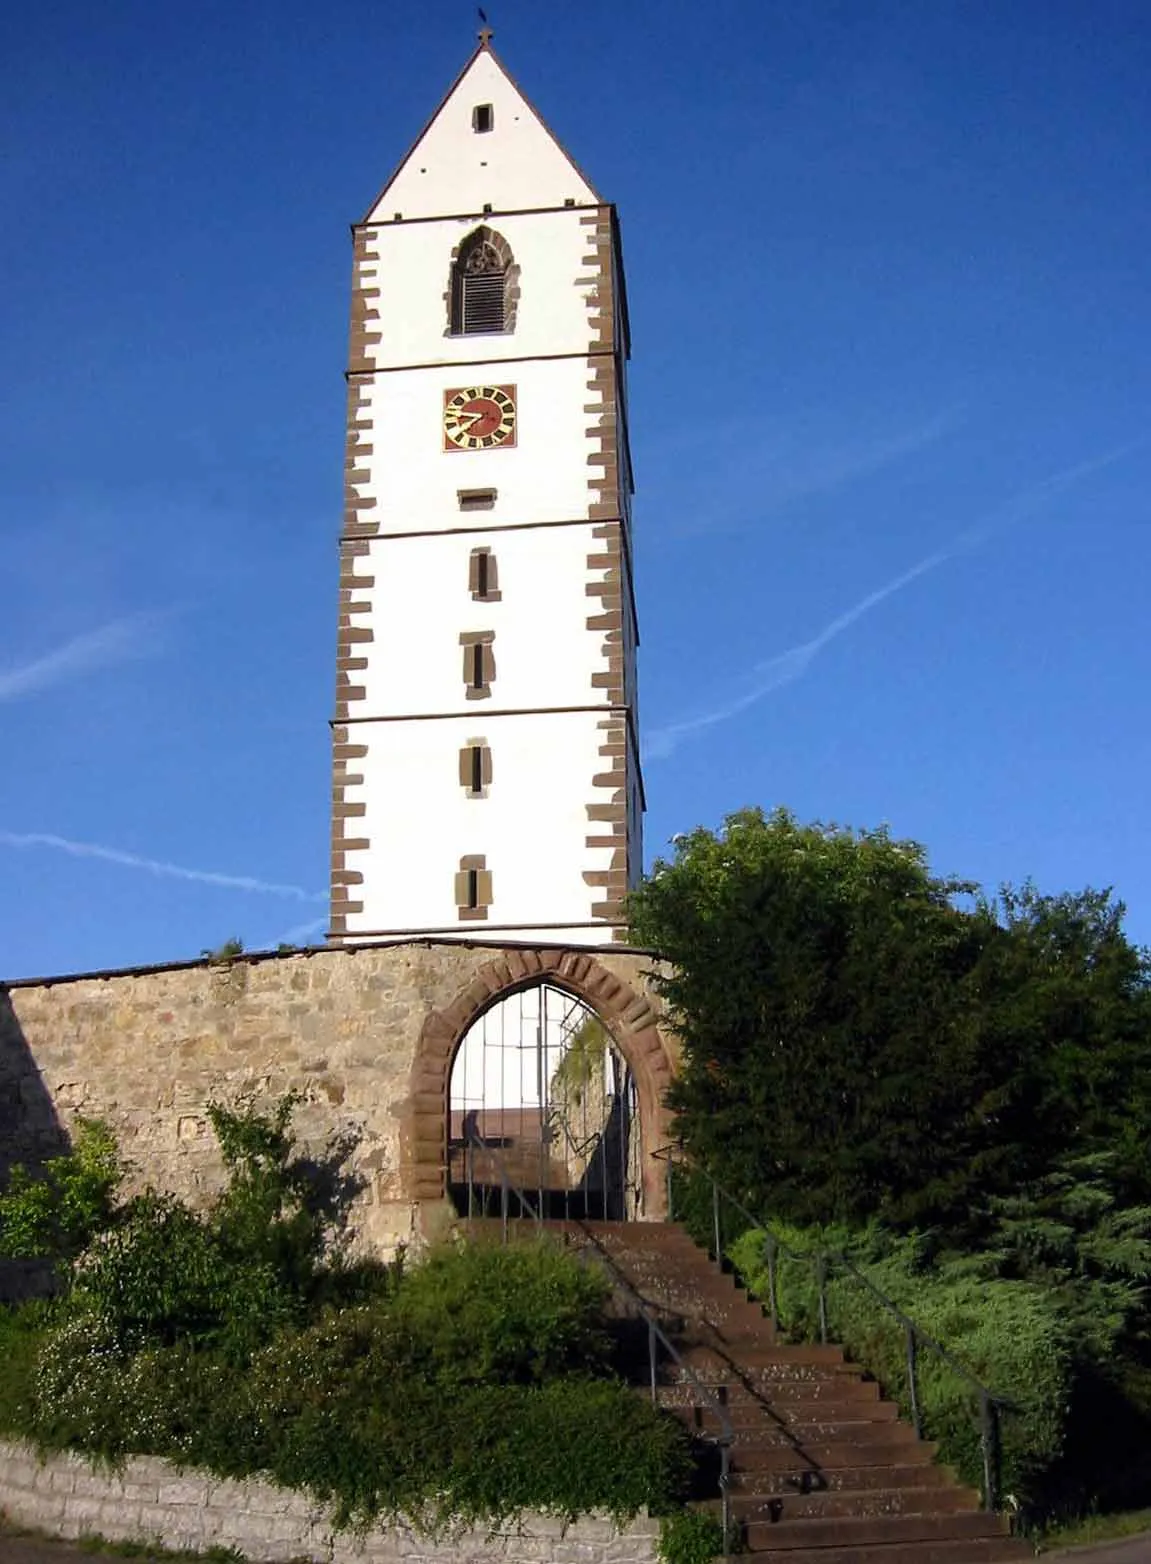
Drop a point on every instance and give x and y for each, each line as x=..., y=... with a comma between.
x=990, y=1404
x=656, y=1335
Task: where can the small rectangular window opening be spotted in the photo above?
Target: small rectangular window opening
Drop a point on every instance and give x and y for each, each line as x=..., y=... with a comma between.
x=479, y=663
x=475, y=768
x=476, y=499
x=483, y=118
x=473, y=887
x=483, y=576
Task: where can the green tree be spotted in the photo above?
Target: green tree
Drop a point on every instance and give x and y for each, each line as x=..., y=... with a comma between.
x=864, y=1038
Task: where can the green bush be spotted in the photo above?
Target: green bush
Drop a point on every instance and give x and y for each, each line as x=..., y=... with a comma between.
x=1011, y=1335
x=53, y=1216
x=523, y=1313
x=691, y=1537
x=23, y=1329
x=478, y=1452
x=471, y=1389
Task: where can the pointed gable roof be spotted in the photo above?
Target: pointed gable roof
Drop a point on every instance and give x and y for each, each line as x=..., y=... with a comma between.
x=452, y=169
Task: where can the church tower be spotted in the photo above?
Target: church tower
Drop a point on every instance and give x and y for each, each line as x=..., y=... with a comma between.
x=486, y=779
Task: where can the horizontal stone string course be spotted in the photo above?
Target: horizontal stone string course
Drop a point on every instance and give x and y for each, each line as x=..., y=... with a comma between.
x=152, y=1501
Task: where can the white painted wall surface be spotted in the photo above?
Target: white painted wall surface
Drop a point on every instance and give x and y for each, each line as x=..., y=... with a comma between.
x=452, y=169
x=531, y=827
x=413, y=274
x=543, y=477
x=544, y=653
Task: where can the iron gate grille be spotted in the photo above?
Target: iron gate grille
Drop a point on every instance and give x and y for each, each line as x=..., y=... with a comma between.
x=541, y=1094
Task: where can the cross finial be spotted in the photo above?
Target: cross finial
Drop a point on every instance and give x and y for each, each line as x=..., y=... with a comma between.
x=485, y=34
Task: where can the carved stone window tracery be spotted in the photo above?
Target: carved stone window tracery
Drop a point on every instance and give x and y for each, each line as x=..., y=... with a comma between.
x=484, y=285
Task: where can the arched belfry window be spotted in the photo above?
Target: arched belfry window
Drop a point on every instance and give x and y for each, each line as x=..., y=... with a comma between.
x=483, y=290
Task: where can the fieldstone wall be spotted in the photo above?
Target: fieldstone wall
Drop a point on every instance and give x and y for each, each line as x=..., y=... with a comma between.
x=367, y=1034
x=151, y=1501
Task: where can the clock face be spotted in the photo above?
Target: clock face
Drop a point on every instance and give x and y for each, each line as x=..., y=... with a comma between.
x=478, y=418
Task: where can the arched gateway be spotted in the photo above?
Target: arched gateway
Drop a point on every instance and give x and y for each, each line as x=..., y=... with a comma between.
x=552, y=1067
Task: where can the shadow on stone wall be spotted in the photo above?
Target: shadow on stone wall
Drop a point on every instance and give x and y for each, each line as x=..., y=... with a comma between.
x=30, y=1133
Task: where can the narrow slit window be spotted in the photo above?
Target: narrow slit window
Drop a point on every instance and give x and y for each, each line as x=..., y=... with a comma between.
x=475, y=768
x=473, y=887
x=483, y=118
x=479, y=663
x=483, y=577
x=476, y=499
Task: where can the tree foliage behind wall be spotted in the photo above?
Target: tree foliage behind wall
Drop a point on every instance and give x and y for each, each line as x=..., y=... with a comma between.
x=864, y=1038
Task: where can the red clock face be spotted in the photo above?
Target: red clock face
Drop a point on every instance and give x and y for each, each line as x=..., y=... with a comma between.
x=477, y=418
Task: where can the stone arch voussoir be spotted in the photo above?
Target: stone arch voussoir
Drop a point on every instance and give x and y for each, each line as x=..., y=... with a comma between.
x=631, y=1017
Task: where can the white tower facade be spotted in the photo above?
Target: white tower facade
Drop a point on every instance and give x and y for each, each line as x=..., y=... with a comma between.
x=486, y=778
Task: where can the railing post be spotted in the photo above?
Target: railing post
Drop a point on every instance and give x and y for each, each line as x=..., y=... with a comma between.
x=770, y=1251
x=912, y=1381
x=670, y=1190
x=725, y=1501
x=988, y=1417
x=652, y=1357
x=715, y=1222
x=470, y=1166
x=505, y=1200
x=821, y=1278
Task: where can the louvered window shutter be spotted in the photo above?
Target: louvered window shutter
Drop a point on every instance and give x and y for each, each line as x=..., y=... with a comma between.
x=483, y=302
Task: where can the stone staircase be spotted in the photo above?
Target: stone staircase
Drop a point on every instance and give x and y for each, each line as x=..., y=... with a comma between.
x=822, y=1469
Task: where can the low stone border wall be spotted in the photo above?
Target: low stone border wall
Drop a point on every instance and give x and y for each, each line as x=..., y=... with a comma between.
x=151, y=1501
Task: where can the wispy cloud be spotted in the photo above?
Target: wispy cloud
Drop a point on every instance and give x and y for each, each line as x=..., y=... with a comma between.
x=119, y=641
x=787, y=666
x=301, y=933
x=758, y=468
x=156, y=866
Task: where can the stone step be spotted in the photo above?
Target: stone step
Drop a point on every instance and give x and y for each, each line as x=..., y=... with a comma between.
x=747, y=1417
x=823, y=1471
x=806, y=1355
x=897, y=1447
x=957, y=1550
x=764, y=1484
x=867, y=1530
x=942, y=1498
x=746, y=1400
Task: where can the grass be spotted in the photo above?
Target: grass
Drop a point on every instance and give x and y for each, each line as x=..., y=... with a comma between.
x=93, y=1542
x=107, y=1547
x=1096, y=1528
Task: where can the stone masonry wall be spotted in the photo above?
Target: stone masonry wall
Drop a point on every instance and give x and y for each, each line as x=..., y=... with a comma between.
x=151, y=1501
x=366, y=1034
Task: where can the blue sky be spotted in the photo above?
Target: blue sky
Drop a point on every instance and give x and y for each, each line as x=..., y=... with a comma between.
x=888, y=270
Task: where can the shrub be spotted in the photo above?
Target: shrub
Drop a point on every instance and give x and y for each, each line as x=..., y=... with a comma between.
x=691, y=1537
x=23, y=1329
x=378, y=1409
x=522, y=1313
x=55, y=1215
x=1011, y=1335
x=480, y=1452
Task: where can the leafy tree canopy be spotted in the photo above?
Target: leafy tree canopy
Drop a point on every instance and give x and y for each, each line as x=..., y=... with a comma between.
x=864, y=1038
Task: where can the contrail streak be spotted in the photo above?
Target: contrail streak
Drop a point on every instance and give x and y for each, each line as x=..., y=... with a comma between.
x=116, y=642
x=791, y=664
x=172, y=871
